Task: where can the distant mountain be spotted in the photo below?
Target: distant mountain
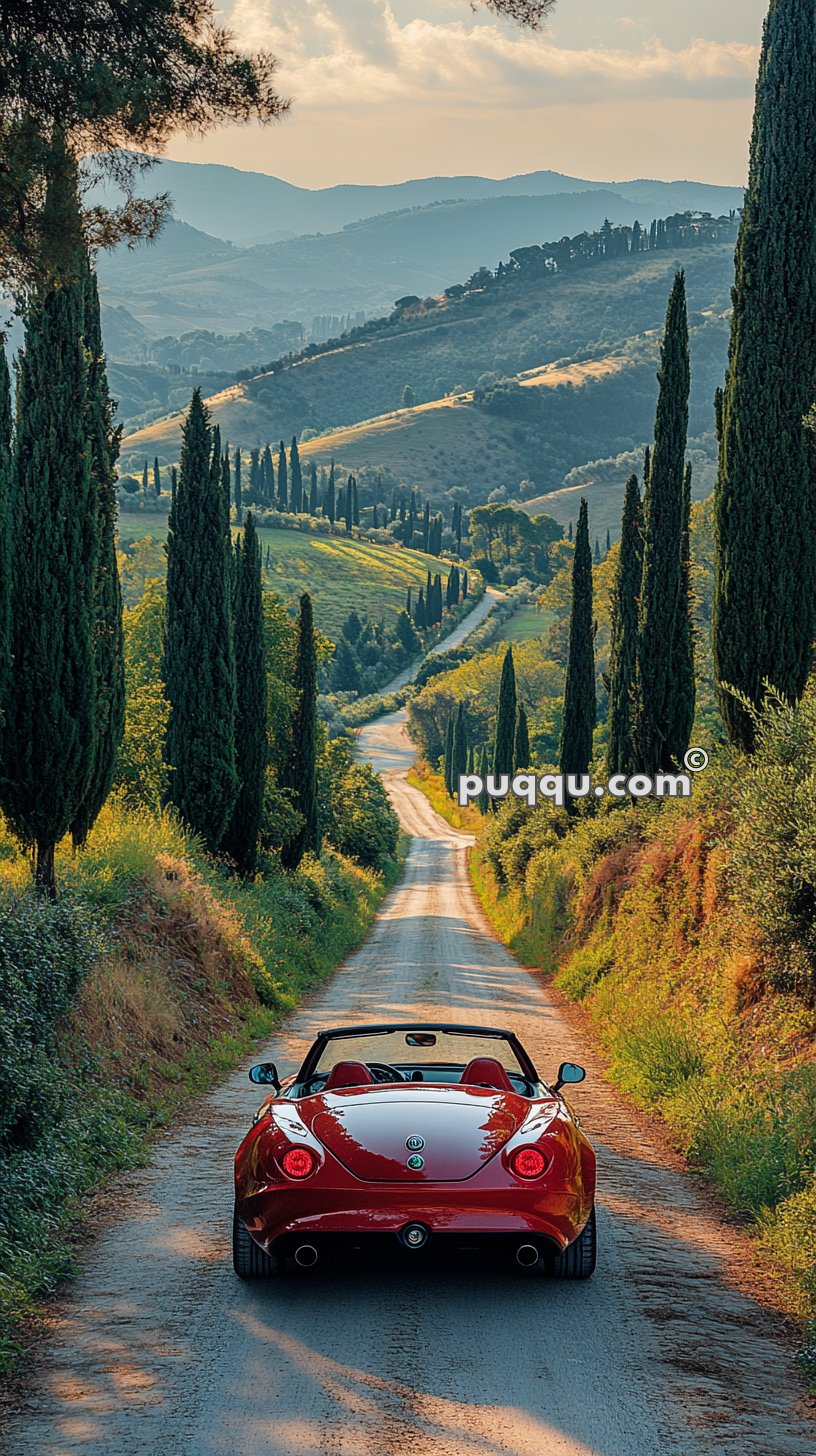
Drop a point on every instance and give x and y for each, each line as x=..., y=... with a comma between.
x=250, y=207
x=188, y=279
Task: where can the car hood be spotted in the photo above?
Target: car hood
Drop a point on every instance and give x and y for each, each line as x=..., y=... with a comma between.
x=368, y=1130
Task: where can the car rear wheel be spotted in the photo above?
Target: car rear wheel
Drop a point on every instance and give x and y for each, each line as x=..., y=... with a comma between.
x=248, y=1261
x=578, y=1261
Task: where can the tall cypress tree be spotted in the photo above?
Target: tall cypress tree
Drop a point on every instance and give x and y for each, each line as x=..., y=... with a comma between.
x=6, y=468
x=349, y=504
x=683, y=687
x=108, y=643
x=449, y=756
x=329, y=507
x=575, y=753
x=267, y=477
x=621, y=756
x=295, y=479
x=49, y=737
x=243, y=830
x=157, y=490
x=301, y=772
x=145, y=480
x=521, y=747
x=504, y=741
x=236, y=488
x=765, y=570
x=460, y=748
x=199, y=664
x=662, y=541
x=313, y=491
x=283, y=486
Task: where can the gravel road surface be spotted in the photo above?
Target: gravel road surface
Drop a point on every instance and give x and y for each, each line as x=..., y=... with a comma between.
x=666, y=1352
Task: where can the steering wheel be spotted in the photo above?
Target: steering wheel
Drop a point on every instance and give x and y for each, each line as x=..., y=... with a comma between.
x=389, y=1073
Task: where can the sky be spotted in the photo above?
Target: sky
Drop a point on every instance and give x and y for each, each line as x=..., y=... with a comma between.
x=383, y=90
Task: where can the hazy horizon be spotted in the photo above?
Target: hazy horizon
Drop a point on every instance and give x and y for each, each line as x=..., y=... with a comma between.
x=387, y=90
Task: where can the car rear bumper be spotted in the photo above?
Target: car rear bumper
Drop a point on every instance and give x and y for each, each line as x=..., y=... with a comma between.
x=281, y=1216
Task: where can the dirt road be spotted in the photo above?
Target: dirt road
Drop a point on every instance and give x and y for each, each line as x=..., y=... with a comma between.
x=160, y=1349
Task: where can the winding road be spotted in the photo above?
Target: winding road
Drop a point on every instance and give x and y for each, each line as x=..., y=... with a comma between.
x=666, y=1352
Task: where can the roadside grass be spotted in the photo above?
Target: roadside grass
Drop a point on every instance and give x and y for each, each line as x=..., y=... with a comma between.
x=529, y=621
x=160, y=974
x=432, y=785
x=340, y=574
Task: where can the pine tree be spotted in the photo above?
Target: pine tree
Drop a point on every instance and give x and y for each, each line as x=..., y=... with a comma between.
x=765, y=569
x=449, y=756
x=683, y=687
x=108, y=644
x=313, y=490
x=484, y=769
x=236, y=488
x=301, y=773
x=621, y=756
x=504, y=741
x=242, y=833
x=575, y=753
x=282, y=499
x=157, y=490
x=295, y=479
x=662, y=538
x=521, y=748
x=199, y=665
x=49, y=737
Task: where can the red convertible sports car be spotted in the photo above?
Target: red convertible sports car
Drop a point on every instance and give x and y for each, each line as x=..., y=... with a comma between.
x=420, y=1137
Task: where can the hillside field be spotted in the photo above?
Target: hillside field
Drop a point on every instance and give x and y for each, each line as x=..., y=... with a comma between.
x=339, y=575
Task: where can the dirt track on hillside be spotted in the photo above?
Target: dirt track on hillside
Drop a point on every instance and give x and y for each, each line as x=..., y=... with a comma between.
x=160, y=1349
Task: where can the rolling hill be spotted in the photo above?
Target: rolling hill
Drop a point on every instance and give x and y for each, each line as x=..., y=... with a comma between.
x=252, y=207
x=555, y=421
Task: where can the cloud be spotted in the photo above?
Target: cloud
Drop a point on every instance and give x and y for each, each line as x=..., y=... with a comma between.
x=359, y=54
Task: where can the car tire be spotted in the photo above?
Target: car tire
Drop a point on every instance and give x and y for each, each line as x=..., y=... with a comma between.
x=578, y=1260
x=248, y=1261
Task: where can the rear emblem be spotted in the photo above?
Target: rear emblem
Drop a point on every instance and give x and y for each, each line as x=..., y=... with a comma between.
x=416, y=1162
x=415, y=1143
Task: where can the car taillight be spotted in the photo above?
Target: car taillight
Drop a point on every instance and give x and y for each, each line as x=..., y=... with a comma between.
x=298, y=1162
x=528, y=1163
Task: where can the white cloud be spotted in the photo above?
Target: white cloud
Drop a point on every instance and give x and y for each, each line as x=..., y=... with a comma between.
x=359, y=54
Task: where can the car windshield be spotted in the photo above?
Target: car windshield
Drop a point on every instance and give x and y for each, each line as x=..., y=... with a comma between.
x=417, y=1049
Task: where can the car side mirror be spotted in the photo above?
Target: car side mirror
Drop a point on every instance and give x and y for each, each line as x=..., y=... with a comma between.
x=265, y=1074
x=568, y=1073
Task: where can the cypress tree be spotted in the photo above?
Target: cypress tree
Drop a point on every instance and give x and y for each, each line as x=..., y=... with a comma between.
x=49, y=738
x=156, y=476
x=504, y=741
x=236, y=488
x=313, y=491
x=301, y=772
x=420, y=615
x=484, y=769
x=328, y=509
x=662, y=538
x=199, y=666
x=349, y=504
x=460, y=748
x=597, y=552
x=426, y=526
x=255, y=478
x=464, y=585
x=521, y=748
x=340, y=507
x=283, y=484
x=267, y=477
x=6, y=475
x=355, y=503
x=569, y=531
x=621, y=756
x=145, y=480
x=575, y=753
x=608, y=541
x=242, y=833
x=295, y=479
x=108, y=644
x=764, y=590
x=449, y=756
x=683, y=687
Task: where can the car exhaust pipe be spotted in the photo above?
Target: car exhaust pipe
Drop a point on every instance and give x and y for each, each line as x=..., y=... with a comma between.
x=306, y=1255
x=527, y=1255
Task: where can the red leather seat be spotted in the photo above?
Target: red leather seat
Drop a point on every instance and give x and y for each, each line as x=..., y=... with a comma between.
x=348, y=1074
x=486, y=1072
